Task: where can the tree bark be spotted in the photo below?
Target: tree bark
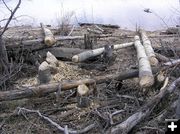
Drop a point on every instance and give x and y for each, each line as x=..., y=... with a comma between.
x=41, y=90
x=49, y=38
x=146, y=78
x=148, y=48
x=95, y=52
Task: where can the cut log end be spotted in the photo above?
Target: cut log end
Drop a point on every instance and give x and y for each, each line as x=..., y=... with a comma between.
x=160, y=77
x=82, y=90
x=51, y=59
x=75, y=58
x=146, y=81
x=49, y=41
x=153, y=61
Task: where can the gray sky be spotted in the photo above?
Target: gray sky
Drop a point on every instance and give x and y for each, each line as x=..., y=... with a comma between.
x=125, y=13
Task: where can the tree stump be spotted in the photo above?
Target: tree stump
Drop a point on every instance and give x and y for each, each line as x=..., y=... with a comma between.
x=44, y=73
x=82, y=96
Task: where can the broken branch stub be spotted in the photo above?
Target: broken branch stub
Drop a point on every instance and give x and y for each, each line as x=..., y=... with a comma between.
x=49, y=38
x=148, y=48
x=146, y=78
x=44, y=73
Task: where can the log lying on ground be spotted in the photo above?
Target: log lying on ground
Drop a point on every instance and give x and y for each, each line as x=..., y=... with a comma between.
x=172, y=62
x=49, y=38
x=61, y=52
x=37, y=44
x=148, y=48
x=94, y=31
x=102, y=25
x=128, y=124
x=41, y=90
x=92, y=53
x=146, y=78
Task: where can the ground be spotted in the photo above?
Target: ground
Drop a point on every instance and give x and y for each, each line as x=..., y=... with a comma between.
x=124, y=96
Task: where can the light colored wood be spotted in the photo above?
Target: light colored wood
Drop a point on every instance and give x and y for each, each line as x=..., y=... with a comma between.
x=146, y=78
x=49, y=38
x=95, y=52
x=148, y=48
x=44, y=73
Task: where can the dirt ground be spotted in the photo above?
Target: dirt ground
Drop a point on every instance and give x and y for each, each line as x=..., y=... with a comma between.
x=125, y=96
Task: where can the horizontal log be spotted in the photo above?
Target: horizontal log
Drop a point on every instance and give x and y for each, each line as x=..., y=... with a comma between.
x=95, y=52
x=102, y=25
x=41, y=90
x=61, y=52
x=36, y=44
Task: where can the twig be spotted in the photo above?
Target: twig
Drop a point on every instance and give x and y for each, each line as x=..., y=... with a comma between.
x=10, y=18
x=86, y=129
x=71, y=30
x=6, y=6
x=137, y=117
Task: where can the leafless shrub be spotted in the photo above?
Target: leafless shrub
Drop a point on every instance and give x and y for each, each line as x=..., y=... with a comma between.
x=64, y=23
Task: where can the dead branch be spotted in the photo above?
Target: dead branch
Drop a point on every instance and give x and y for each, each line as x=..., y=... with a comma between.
x=10, y=18
x=86, y=129
x=172, y=62
x=3, y=53
x=145, y=111
x=41, y=90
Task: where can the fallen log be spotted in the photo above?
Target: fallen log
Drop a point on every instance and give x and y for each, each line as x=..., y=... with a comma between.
x=102, y=25
x=148, y=48
x=41, y=90
x=146, y=78
x=61, y=52
x=94, y=31
x=127, y=125
x=92, y=53
x=49, y=38
x=37, y=44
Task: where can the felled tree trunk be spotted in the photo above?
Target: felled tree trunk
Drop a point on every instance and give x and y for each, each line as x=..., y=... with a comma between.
x=41, y=90
x=61, y=52
x=95, y=52
x=148, y=48
x=49, y=38
x=146, y=78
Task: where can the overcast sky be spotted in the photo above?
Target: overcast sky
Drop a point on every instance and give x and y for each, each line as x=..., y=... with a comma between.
x=126, y=13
